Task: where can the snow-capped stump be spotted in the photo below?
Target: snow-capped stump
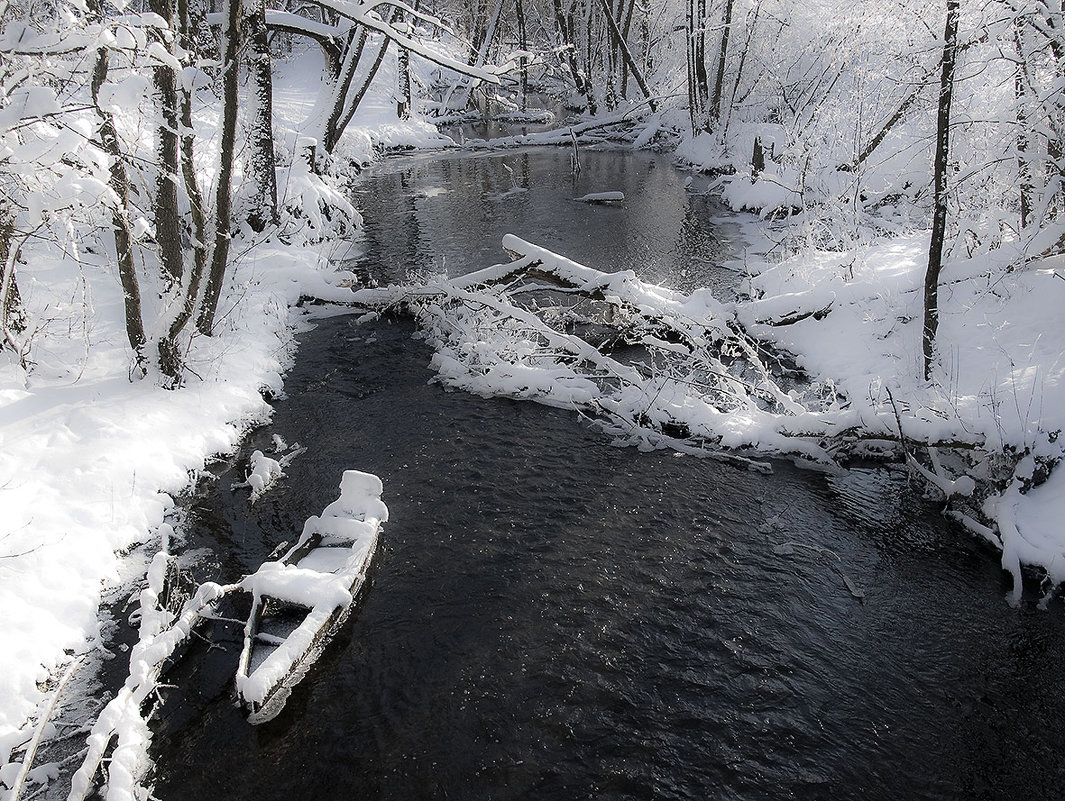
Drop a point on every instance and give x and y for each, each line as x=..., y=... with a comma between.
x=300, y=600
x=601, y=197
x=264, y=471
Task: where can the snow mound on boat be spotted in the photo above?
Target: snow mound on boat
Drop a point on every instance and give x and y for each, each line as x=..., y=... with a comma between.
x=297, y=585
x=360, y=498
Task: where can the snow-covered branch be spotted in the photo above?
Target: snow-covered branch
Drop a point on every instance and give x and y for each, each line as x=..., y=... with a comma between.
x=294, y=23
x=699, y=382
x=365, y=14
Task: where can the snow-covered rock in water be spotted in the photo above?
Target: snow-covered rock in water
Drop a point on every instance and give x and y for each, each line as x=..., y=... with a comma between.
x=262, y=472
x=601, y=197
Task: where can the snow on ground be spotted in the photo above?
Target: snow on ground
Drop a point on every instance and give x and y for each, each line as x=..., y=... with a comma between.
x=1000, y=377
x=1000, y=380
x=90, y=461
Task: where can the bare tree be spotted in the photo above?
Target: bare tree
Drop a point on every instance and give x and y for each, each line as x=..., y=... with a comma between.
x=167, y=218
x=619, y=40
x=403, y=99
x=698, y=91
x=170, y=361
x=722, y=58
x=523, y=46
x=566, y=31
x=11, y=317
x=939, y=208
x=119, y=181
x=223, y=191
x=262, y=211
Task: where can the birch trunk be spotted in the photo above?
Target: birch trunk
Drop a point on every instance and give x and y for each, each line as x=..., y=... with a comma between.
x=11, y=316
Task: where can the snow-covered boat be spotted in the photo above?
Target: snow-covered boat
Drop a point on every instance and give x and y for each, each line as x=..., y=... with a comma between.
x=300, y=600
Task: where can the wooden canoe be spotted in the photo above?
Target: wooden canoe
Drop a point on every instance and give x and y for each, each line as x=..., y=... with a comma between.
x=300, y=600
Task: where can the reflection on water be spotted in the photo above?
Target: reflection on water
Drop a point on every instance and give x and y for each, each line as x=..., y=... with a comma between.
x=448, y=215
x=552, y=617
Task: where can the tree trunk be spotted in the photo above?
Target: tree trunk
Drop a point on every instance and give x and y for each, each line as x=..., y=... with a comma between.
x=625, y=28
x=12, y=321
x=170, y=361
x=478, y=29
x=698, y=87
x=486, y=34
x=403, y=84
x=1053, y=110
x=223, y=192
x=694, y=108
x=331, y=130
x=167, y=218
x=939, y=208
x=620, y=41
x=700, y=49
x=752, y=25
x=580, y=80
x=119, y=183
x=722, y=58
x=1024, y=160
x=353, y=104
x=885, y=129
x=523, y=45
x=263, y=211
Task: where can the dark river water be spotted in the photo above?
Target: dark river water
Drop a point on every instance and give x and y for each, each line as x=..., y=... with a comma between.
x=555, y=617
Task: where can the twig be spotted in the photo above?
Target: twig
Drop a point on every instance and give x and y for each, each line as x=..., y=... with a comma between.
x=38, y=734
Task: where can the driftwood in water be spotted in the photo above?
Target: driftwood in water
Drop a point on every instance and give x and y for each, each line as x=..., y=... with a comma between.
x=685, y=364
x=161, y=636
x=672, y=369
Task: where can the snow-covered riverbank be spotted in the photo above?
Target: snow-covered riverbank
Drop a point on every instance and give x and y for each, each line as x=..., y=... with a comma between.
x=854, y=318
x=91, y=461
x=851, y=312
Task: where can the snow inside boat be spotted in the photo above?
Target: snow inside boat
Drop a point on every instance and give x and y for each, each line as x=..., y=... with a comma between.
x=301, y=600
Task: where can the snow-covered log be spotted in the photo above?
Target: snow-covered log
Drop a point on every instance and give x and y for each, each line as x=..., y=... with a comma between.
x=120, y=735
x=601, y=197
x=697, y=378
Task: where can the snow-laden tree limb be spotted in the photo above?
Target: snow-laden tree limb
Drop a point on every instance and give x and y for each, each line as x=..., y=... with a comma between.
x=364, y=13
x=696, y=377
x=122, y=721
x=294, y=23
